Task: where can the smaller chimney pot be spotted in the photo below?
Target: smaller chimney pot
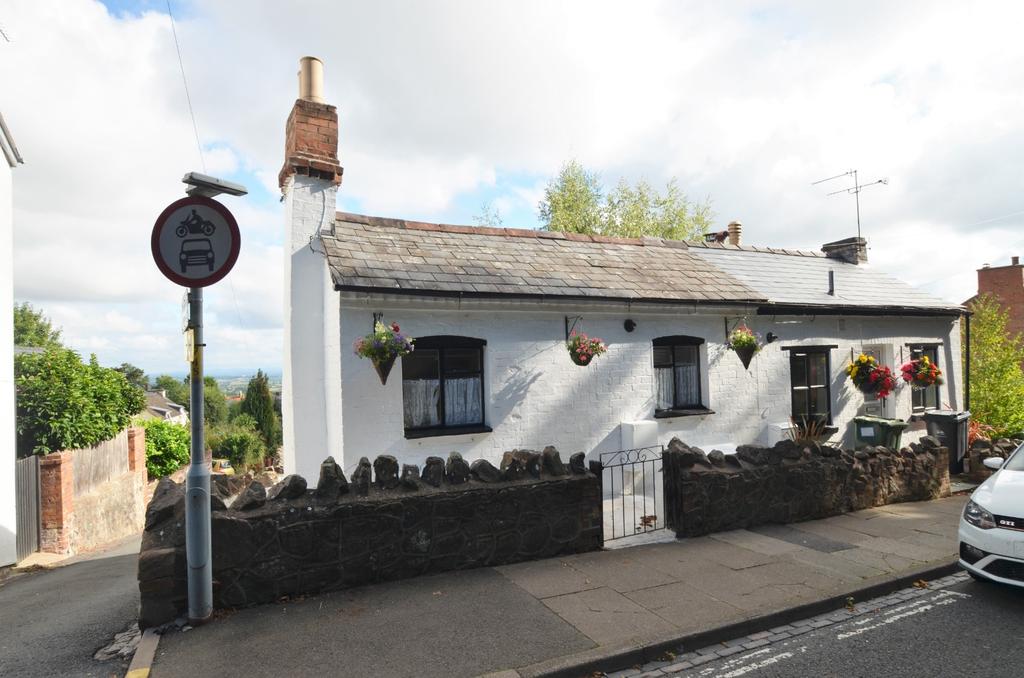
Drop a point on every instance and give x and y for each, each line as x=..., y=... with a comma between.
x=311, y=79
x=735, y=231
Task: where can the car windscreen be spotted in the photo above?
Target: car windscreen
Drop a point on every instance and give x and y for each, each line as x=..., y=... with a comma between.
x=1016, y=462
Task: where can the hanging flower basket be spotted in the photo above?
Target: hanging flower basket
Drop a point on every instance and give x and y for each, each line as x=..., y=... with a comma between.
x=582, y=348
x=383, y=368
x=870, y=377
x=922, y=373
x=383, y=346
x=745, y=342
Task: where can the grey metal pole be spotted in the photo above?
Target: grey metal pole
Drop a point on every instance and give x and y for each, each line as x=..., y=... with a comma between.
x=197, y=483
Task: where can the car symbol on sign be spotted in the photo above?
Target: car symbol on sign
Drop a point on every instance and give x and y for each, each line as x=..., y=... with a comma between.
x=196, y=252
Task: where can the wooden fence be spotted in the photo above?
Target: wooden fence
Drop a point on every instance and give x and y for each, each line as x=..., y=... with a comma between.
x=104, y=462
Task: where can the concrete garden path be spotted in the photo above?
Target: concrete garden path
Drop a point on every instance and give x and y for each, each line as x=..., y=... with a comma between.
x=548, y=616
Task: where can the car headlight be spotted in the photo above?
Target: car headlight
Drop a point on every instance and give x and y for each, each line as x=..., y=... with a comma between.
x=978, y=516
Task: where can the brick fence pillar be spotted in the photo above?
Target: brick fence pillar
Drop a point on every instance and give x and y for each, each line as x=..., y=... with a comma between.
x=57, y=499
x=137, y=465
x=137, y=450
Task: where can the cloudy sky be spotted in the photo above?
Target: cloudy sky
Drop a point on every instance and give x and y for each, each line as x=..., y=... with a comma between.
x=446, y=106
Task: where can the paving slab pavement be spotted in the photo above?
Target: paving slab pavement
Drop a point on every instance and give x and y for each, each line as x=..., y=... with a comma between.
x=530, y=618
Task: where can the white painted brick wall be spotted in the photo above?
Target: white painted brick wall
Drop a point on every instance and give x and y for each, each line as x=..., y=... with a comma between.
x=311, y=383
x=8, y=512
x=535, y=396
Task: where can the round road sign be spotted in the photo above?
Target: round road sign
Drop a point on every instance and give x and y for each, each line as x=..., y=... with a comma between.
x=195, y=241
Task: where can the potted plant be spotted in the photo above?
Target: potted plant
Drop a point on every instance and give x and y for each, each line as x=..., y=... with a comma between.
x=871, y=377
x=745, y=343
x=382, y=347
x=922, y=373
x=582, y=348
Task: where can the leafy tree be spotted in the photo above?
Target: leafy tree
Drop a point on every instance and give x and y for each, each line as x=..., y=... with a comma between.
x=259, y=404
x=489, y=216
x=65, y=404
x=637, y=211
x=575, y=202
x=215, y=404
x=134, y=375
x=242, y=446
x=997, y=382
x=572, y=201
x=32, y=328
x=167, y=447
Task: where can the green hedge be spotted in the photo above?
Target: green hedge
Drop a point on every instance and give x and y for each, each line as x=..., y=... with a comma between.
x=66, y=404
x=167, y=447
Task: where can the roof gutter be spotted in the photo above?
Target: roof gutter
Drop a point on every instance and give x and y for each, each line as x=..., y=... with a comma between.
x=810, y=309
x=761, y=307
x=12, y=155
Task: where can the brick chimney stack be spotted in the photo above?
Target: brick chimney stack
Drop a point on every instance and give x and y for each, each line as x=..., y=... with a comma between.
x=850, y=250
x=311, y=133
x=1006, y=283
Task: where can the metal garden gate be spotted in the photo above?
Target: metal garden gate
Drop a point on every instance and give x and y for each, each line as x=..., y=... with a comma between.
x=26, y=494
x=633, y=494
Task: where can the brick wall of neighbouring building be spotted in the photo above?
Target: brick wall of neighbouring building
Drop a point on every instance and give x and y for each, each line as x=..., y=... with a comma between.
x=114, y=508
x=1007, y=283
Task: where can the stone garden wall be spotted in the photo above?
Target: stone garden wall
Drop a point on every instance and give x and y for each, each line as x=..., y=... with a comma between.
x=712, y=492
x=981, y=449
x=382, y=524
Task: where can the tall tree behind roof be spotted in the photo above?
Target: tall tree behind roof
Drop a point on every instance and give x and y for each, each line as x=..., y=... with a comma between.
x=575, y=202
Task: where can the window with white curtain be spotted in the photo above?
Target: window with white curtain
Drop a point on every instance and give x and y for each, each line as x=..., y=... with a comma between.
x=443, y=386
x=677, y=373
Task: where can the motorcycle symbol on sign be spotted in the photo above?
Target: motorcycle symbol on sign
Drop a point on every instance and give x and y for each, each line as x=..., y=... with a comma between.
x=195, y=225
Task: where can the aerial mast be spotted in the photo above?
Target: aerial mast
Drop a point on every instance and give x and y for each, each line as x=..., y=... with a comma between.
x=855, y=189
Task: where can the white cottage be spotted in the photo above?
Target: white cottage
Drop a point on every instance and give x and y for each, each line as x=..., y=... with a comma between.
x=8, y=510
x=491, y=308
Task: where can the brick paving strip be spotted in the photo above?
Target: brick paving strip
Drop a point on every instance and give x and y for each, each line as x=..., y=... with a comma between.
x=695, y=600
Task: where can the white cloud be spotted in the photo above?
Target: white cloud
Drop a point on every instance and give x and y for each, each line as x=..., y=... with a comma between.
x=746, y=102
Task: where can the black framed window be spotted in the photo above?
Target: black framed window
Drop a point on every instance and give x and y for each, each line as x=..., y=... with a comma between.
x=677, y=373
x=925, y=398
x=443, y=386
x=810, y=384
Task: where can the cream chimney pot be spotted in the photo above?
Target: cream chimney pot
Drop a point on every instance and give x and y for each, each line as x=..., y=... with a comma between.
x=311, y=79
x=735, y=231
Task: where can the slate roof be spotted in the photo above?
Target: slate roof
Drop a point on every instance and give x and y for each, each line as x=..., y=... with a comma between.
x=395, y=255
x=803, y=280
x=407, y=256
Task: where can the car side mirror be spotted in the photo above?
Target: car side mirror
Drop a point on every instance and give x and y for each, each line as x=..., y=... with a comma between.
x=994, y=463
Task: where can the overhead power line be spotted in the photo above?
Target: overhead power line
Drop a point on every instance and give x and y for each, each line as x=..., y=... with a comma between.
x=184, y=80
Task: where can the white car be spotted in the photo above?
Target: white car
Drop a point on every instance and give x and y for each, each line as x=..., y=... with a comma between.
x=992, y=524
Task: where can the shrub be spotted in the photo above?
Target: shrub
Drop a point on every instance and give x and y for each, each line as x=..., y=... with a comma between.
x=242, y=446
x=168, y=447
x=65, y=404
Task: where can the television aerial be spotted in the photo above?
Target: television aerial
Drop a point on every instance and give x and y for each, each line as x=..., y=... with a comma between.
x=855, y=189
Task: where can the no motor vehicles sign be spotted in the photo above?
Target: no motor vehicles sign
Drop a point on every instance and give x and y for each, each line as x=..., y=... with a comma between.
x=195, y=241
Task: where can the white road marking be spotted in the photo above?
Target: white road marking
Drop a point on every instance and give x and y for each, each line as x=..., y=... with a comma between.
x=902, y=612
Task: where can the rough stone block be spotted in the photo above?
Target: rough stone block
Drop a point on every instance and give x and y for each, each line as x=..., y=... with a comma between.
x=385, y=470
x=433, y=471
x=484, y=471
x=362, y=477
x=332, y=483
x=456, y=471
